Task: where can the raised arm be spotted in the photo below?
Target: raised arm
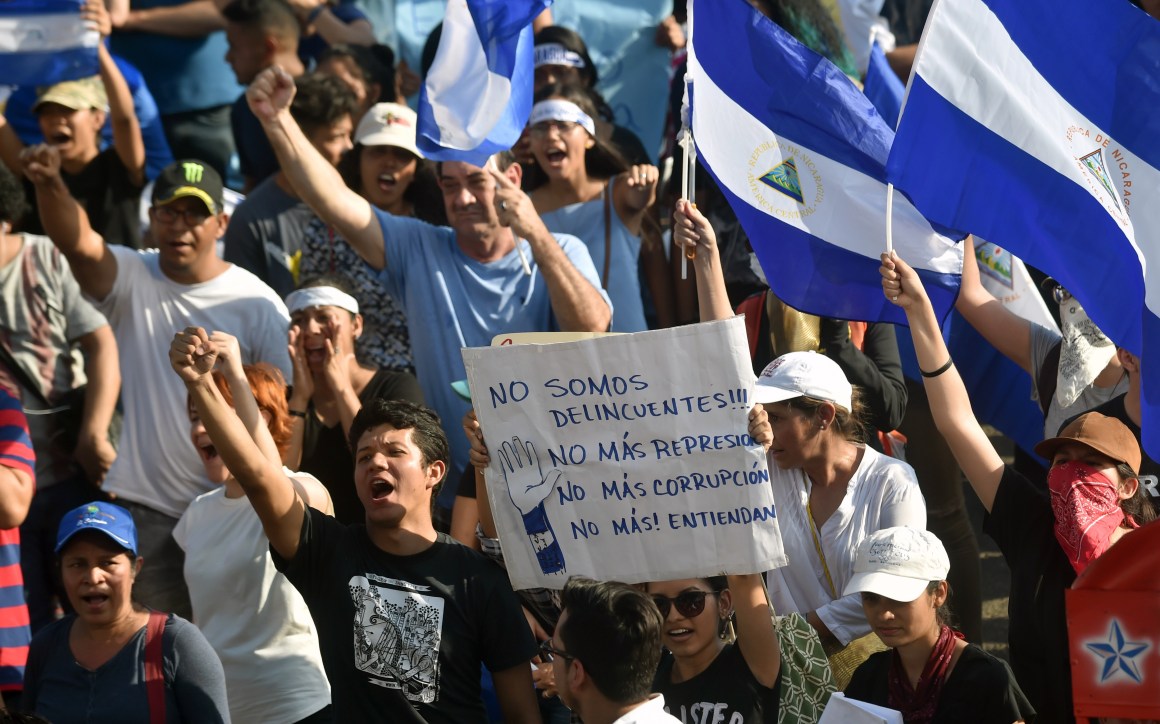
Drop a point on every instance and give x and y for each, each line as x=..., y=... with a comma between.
x=94, y=452
x=67, y=224
x=756, y=635
x=634, y=192
x=479, y=461
x=692, y=231
x=313, y=178
x=193, y=19
x=127, y=140
x=333, y=29
x=10, y=146
x=576, y=303
x=270, y=492
x=245, y=406
x=949, y=403
x=1003, y=329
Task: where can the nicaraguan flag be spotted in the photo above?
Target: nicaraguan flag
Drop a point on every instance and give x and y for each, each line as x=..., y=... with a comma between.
x=800, y=153
x=478, y=93
x=883, y=87
x=1044, y=137
x=44, y=42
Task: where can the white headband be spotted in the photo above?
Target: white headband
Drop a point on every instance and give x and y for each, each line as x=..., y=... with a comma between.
x=556, y=54
x=560, y=110
x=320, y=297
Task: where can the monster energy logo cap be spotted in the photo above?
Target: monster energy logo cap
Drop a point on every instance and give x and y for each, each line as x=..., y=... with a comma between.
x=189, y=178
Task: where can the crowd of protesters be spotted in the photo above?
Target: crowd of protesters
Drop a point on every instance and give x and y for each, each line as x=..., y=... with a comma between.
x=234, y=476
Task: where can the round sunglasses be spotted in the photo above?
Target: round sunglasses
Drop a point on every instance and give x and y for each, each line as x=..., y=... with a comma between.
x=689, y=604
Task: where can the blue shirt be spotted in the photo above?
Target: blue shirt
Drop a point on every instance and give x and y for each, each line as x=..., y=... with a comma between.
x=453, y=301
x=586, y=222
x=184, y=74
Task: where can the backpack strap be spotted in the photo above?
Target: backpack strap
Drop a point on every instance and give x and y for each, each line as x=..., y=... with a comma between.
x=154, y=666
x=1048, y=377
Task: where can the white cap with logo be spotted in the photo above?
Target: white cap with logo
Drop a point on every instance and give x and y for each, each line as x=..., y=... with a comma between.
x=804, y=374
x=898, y=563
x=388, y=124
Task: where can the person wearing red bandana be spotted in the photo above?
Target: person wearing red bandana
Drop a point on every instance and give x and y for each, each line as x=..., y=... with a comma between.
x=1093, y=499
x=930, y=673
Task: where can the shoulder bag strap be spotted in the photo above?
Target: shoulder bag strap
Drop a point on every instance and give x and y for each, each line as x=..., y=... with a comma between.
x=607, y=235
x=155, y=667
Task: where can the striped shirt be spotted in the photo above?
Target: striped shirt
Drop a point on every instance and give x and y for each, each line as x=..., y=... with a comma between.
x=15, y=453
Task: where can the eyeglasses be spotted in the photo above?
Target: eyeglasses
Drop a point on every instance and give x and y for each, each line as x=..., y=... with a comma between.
x=1060, y=294
x=192, y=217
x=549, y=652
x=541, y=129
x=689, y=604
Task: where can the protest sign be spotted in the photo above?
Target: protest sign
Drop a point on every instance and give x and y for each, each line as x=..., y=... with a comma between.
x=625, y=457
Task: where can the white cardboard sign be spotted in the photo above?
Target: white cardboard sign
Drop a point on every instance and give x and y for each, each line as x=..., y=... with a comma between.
x=625, y=457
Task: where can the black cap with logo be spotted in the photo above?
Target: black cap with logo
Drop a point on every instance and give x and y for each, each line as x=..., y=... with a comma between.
x=189, y=178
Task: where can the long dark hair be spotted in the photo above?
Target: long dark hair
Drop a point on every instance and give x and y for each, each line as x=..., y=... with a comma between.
x=808, y=22
x=423, y=193
x=601, y=161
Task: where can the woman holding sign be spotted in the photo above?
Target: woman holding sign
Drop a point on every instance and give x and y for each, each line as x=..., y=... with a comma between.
x=831, y=489
x=739, y=681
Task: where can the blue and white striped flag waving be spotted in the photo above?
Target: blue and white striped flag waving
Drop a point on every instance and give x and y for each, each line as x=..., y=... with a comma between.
x=44, y=42
x=478, y=93
x=800, y=153
x=1044, y=137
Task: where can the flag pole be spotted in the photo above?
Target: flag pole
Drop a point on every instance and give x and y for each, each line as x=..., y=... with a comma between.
x=889, y=218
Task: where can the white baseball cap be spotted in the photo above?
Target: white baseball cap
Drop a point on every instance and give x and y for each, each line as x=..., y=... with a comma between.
x=388, y=124
x=804, y=374
x=898, y=563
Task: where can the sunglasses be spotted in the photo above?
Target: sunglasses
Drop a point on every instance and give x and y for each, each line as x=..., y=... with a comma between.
x=689, y=604
x=549, y=652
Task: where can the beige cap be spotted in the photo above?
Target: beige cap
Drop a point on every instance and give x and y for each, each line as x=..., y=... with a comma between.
x=75, y=94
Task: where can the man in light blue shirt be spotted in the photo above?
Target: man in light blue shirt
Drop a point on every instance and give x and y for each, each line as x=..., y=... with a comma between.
x=459, y=285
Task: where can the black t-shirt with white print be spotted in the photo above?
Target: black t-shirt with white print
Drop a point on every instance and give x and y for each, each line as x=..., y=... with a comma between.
x=726, y=692
x=402, y=637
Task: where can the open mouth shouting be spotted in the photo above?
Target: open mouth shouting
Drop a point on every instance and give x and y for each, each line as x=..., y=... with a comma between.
x=381, y=490
x=388, y=182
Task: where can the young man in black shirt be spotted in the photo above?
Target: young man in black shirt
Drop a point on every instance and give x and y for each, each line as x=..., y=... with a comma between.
x=405, y=615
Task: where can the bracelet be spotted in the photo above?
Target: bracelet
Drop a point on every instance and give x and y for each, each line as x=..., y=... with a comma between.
x=937, y=372
x=313, y=14
x=298, y=413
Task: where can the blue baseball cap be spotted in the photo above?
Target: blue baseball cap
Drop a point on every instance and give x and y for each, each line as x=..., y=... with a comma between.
x=112, y=520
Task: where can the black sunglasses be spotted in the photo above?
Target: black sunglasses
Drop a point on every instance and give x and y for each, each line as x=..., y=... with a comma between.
x=689, y=604
x=549, y=652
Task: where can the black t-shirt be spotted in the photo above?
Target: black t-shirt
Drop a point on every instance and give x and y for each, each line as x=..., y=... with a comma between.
x=402, y=637
x=980, y=690
x=726, y=692
x=1023, y=526
x=1149, y=468
x=106, y=193
x=326, y=455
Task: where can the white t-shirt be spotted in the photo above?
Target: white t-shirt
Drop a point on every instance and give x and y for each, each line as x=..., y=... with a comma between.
x=156, y=465
x=882, y=494
x=255, y=620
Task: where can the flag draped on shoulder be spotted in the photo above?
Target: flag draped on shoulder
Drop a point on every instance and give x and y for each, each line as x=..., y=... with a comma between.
x=1044, y=137
x=800, y=154
x=44, y=42
x=478, y=94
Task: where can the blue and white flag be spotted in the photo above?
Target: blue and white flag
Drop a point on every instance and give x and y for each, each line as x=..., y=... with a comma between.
x=800, y=153
x=44, y=42
x=478, y=93
x=883, y=87
x=1044, y=137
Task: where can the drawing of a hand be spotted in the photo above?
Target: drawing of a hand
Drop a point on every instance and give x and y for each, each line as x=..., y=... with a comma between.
x=528, y=487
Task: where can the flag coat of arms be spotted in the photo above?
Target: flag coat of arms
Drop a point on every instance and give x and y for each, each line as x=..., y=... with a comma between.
x=800, y=154
x=1043, y=137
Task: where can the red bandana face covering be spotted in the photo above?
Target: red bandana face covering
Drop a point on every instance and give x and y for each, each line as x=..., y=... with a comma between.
x=1087, y=510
